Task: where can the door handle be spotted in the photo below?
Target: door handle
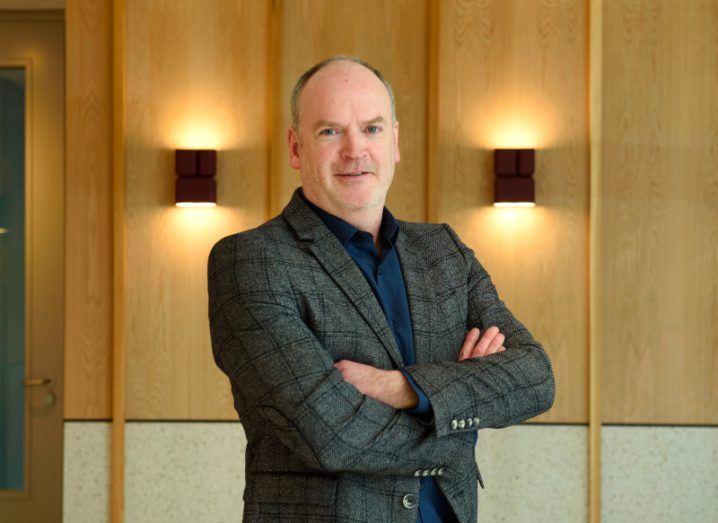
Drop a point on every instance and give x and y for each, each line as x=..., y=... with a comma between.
x=39, y=382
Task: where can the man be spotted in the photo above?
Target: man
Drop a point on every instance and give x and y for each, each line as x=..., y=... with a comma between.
x=364, y=352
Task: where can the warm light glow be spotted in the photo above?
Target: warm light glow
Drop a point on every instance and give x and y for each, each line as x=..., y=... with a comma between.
x=514, y=204
x=515, y=133
x=3, y=230
x=200, y=126
x=511, y=120
x=191, y=225
x=196, y=204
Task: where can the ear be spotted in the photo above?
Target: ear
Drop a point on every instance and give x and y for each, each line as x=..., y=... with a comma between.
x=293, y=144
x=397, y=154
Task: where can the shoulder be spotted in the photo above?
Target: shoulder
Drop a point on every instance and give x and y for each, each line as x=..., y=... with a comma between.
x=423, y=236
x=255, y=252
x=272, y=236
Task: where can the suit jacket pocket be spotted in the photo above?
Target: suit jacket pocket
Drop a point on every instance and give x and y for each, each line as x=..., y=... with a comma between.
x=281, y=487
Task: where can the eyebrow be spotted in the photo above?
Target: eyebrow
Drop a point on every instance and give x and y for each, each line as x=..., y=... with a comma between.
x=327, y=123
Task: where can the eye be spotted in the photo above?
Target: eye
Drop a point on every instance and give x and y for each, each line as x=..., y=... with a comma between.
x=328, y=132
x=373, y=129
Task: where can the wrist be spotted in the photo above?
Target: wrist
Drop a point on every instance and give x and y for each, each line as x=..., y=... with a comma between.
x=402, y=392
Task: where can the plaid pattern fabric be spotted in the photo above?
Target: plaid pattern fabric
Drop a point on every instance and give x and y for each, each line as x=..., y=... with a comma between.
x=286, y=301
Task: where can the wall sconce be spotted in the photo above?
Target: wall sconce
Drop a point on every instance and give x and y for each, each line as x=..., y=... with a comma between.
x=195, y=185
x=514, y=169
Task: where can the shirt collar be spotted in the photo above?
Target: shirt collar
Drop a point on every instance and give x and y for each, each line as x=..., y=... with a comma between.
x=345, y=231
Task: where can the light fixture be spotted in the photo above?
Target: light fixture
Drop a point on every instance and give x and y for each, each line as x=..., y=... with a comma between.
x=514, y=169
x=195, y=185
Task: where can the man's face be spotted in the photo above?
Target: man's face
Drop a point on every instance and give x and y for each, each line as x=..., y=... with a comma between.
x=347, y=145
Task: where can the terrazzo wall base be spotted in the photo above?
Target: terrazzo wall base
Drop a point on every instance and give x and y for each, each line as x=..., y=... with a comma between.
x=534, y=473
x=194, y=471
x=659, y=474
x=184, y=472
x=86, y=472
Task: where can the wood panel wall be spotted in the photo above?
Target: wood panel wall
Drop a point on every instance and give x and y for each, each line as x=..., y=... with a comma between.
x=513, y=74
x=470, y=76
x=88, y=210
x=659, y=263
x=196, y=78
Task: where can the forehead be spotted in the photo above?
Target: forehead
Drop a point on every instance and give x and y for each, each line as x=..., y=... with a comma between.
x=342, y=90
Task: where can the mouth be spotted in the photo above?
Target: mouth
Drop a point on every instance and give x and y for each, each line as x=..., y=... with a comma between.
x=353, y=174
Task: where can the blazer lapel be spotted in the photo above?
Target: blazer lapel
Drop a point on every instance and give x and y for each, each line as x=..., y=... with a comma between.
x=422, y=302
x=341, y=268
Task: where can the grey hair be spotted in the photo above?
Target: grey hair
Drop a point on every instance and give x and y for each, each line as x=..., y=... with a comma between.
x=299, y=86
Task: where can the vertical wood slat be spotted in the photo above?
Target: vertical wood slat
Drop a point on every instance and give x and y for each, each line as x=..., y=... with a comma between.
x=595, y=29
x=119, y=259
x=88, y=211
x=432, y=119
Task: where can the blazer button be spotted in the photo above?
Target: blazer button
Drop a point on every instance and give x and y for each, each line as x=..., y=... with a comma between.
x=434, y=471
x=426, y=472
x=462, y=424
x=410, y=501
x=476, y=421
x=469, y=422
x=454, y=424
x=440, y=472
x=417, y=473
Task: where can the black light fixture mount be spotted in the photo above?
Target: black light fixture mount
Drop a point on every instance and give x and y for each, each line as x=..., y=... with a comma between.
x=514, y=169
x=195, y=185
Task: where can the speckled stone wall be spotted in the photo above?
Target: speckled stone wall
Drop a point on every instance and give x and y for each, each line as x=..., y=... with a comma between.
x=659, y=474
x=184, y=472
x=534, y=473
x=194, y=471
x=86, y=474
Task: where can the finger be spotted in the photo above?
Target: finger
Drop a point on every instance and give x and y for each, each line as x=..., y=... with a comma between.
x=469, y=343
x=485, y=341
x=495, y=344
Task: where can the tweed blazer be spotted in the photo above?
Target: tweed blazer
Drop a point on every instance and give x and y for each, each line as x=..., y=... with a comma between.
x=286, y=301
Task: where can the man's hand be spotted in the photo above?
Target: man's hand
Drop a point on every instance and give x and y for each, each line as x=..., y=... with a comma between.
x=490, y=343
x=387, y=386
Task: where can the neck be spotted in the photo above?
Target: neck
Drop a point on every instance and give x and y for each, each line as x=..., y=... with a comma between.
x=368, y=220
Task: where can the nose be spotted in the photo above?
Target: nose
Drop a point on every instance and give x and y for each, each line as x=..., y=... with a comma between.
x=353, y=145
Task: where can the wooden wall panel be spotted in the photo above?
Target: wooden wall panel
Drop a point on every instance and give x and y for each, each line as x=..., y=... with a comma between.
x=196, y=78
x=88, y=210
x=660, y=218
x=392, y=36
x=514, y=74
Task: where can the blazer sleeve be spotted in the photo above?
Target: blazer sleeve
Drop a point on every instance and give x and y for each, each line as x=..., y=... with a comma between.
x=494, y=391
x=283, y=380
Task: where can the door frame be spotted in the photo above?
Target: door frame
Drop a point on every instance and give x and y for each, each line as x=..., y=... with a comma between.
x=43, y=63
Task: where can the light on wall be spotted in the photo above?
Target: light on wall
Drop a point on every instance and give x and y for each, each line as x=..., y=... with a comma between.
x=195, y=185
x=514, y=169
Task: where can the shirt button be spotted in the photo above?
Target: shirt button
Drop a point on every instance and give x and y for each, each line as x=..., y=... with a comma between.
x=454, y=424
x=409, y=501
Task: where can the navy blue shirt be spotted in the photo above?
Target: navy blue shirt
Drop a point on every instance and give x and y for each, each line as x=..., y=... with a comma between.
x=383, y=272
